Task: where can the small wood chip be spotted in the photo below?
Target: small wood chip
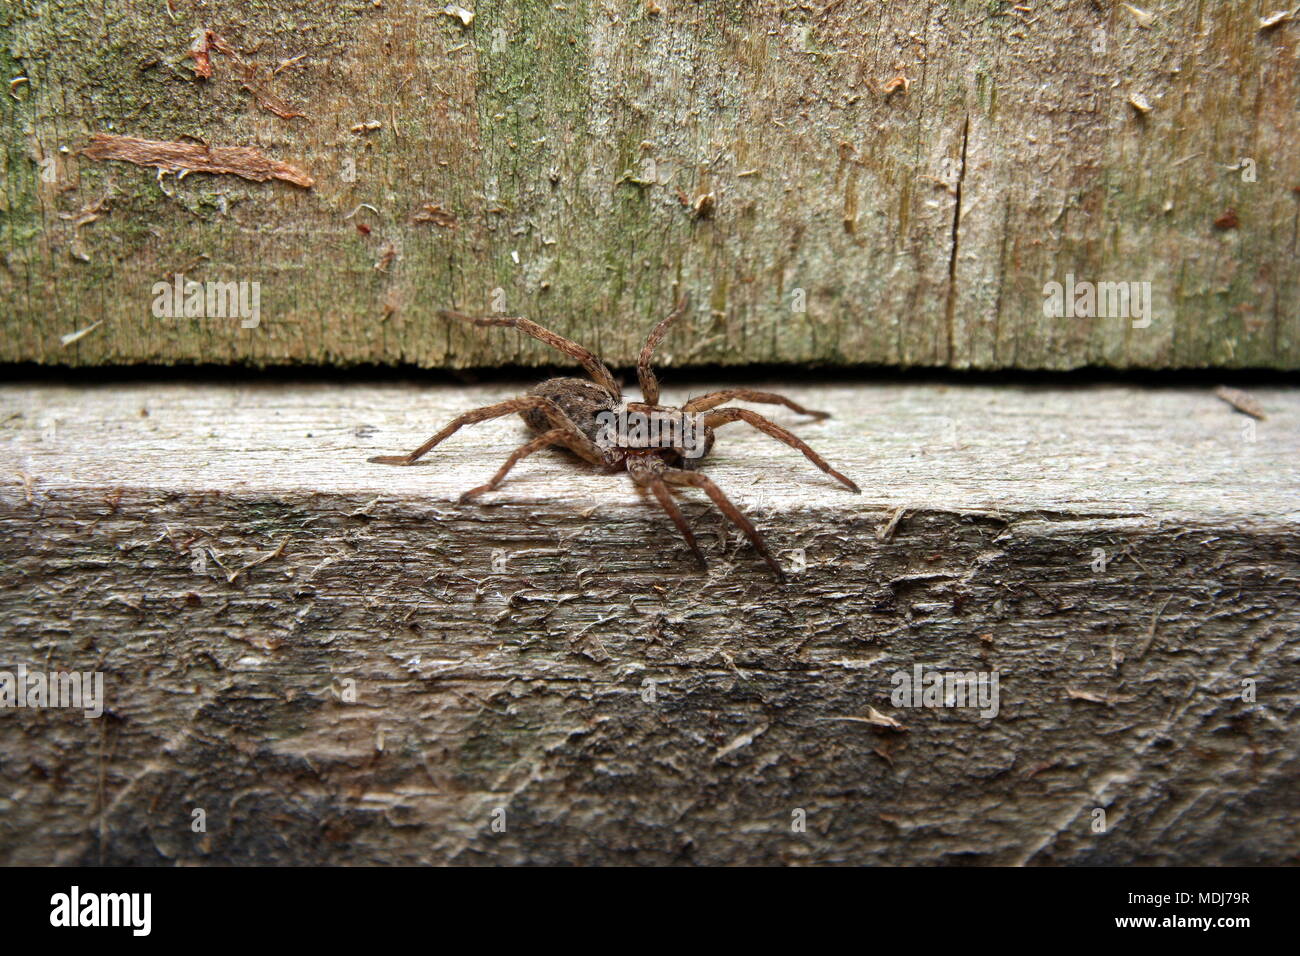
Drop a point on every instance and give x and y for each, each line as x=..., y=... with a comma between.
x=703, y=206
x=744, y=740
x=1139, y=102
x=205, y=41
x=874, y=717
x=1143, y=18
x=231, y=575
x=1094, y=698
x=1151, y=631
x=172, y=157
x=1274, y=19
x=285, y=64
x=466, y=17
x=387, y=256
x=434, y=213
x=1241, y=401
x=79, y=334
x=886, y=532
x=1228, y=220
x=899, y=82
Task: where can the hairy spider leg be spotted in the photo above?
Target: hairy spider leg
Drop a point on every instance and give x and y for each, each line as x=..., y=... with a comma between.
x=556, y=436
x=694, y=479
x=648, y=474
x=644, y=374
x=581, y=444
x=597, y=369
x=703, y=403
x=724, y=415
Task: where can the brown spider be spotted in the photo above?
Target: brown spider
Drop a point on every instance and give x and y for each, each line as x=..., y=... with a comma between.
x=591, y=420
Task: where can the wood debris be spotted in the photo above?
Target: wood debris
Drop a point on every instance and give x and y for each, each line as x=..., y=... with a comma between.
x=1228, y=220
x=703, y=206
x=172, y=157
x=1279, y=17
x=1151, y=631
x=886, y=531
x=26, y=480
x=1095, y=698
x=1143, y=18
x=744, y=740
x=87, y=215
x=874, y=717
x=231, y=575
x=434, y=213
x=466, y=17
x=255, y=83
x=1139, y=102
x=285, y=64
x=79, y=334
x=369, y=126
x=205, y=41
x=386, y=257
x=1039, y=767
x=899, y=82
x=1242, y=401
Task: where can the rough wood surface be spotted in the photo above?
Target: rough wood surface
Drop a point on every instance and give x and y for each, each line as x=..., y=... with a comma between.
x=843, y=182
x=231, y=562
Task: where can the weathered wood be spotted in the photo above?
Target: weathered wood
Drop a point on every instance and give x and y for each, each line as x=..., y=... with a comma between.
x=844, y=182
x=1123, y=558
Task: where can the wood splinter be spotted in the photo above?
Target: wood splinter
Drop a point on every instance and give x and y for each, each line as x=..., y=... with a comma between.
x=171, y=157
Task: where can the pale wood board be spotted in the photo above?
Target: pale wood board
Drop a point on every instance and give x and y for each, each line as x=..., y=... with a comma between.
x=845, y=183
x=524, y=688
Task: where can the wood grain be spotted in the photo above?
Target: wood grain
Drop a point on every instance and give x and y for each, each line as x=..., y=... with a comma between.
x=229, y=560
x=587, y=156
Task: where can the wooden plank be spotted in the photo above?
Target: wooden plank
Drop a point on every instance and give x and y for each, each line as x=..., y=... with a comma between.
x=837, y=183
x=1124, y=559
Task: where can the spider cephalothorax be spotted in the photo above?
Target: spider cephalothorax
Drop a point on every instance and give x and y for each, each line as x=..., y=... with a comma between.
x=659, y=446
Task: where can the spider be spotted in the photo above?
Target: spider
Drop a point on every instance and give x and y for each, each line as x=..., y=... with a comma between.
x=577, y=414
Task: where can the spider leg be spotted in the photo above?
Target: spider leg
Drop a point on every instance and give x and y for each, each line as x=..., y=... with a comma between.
x=724, y=415
x=655, y=483
x=552, y=411
x=594, y=366
x=676, y=476
x=556, y=436
x=713, y=399
x=644, y=374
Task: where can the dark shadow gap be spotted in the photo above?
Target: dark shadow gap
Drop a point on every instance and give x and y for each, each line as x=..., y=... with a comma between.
x=35, y=374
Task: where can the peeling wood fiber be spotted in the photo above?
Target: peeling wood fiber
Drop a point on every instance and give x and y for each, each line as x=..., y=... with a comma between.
x=230, y=561
x=191, y=157
x=844, y=183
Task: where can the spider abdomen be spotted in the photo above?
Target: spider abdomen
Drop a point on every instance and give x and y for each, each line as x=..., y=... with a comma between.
x=579, y=399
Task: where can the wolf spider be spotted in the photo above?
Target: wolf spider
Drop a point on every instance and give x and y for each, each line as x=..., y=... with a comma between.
x=569, y=412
